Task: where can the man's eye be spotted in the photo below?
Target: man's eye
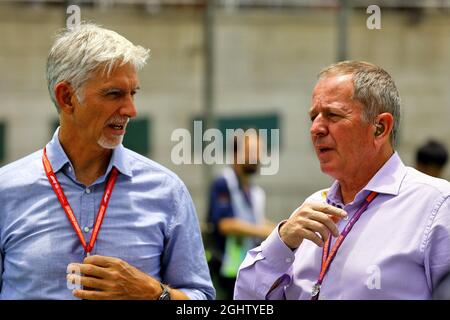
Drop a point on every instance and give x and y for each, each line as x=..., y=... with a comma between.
x=333, y=115
x=113, y=94
x=313, y=117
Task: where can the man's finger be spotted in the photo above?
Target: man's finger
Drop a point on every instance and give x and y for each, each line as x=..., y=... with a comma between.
x=93, y=295
x=313, y=237
x=317, y=227
x=101, y=261
x=328, y=209
x=334, y=218
x=325, y=220
x=91, y=270
x=89, y=282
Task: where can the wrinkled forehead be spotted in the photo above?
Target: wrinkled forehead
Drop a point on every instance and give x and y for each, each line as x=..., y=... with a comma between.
x=334, y=86
x=334, y=92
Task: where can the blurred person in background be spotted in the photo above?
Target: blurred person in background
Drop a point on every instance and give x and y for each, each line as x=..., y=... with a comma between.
x=431, y=158
x=236, y=213
x=121, y=225
x=381, y=231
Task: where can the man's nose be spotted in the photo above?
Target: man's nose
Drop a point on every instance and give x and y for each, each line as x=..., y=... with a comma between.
x=129, y=108
x=318, y=126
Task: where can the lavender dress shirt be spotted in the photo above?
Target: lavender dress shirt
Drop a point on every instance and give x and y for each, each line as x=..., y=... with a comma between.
x=398, y=249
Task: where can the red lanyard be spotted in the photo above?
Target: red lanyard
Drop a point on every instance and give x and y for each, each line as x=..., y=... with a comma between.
x=68, y=210
x=327, y=257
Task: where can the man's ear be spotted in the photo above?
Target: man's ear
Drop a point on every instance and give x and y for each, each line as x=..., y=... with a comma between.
x=65, y=94
x=384, y=124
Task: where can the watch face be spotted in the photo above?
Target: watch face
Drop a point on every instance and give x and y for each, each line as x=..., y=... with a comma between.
x=165, y=295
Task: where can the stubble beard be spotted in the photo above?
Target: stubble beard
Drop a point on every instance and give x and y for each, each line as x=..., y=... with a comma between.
x=110, y=143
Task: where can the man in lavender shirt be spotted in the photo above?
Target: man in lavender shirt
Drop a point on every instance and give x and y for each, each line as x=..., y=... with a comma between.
x=390, y=223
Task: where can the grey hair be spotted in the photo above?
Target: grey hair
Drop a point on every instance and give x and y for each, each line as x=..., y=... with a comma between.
x=373, y=87
x=79, y=52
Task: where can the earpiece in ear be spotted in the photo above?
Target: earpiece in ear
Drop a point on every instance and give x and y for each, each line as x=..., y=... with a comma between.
x=379, y=130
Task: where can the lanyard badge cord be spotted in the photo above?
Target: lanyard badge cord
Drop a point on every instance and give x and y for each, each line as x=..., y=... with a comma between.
x=327, y=256
x=68, y=210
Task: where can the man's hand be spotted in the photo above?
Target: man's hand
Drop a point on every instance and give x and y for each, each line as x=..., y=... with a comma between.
x=309, y=220
x=107, y=278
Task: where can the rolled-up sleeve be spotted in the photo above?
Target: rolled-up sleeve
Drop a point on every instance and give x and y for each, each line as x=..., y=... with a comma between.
x=265, y=270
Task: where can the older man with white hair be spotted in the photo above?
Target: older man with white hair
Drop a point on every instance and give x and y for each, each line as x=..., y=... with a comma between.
x=85, y=213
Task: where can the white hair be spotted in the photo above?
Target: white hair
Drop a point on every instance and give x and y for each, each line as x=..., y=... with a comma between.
x=79, y=52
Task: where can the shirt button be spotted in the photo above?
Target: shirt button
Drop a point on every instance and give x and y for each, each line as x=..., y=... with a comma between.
x=288, y=260
x=88, y=190
x=70, y=169
x=86, y=229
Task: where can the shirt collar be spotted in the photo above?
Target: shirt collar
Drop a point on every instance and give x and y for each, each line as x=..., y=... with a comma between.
x=387, y=180
x=120, y=161
x=59, y=159
x=56, y=154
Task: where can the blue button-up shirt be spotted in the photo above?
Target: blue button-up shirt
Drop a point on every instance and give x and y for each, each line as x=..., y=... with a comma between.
x=398, y=249
x=150, y=223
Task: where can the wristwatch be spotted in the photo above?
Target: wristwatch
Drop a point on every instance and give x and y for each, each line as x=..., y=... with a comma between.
x=165, y=295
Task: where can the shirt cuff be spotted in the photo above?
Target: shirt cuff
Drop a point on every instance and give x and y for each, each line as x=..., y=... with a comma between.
x=277, y=253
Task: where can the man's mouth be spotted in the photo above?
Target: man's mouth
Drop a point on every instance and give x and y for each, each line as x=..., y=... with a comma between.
x=324, y=149
x=116, y=126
